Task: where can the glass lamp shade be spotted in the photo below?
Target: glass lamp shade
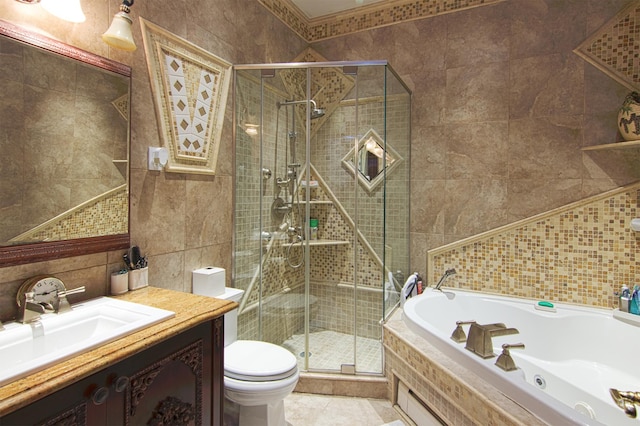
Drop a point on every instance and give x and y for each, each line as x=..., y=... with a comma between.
x=69, y=10
x=119, y=33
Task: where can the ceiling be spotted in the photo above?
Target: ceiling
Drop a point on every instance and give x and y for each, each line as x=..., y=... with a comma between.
x=317, y=8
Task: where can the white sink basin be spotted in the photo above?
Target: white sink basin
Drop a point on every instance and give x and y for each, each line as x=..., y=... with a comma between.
x=24, y=349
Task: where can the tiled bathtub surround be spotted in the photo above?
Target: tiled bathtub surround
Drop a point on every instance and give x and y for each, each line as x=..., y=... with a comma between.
x=580, y=253
x=456, y=394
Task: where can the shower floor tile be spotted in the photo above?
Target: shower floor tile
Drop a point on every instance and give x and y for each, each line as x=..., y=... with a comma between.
x=330, y=349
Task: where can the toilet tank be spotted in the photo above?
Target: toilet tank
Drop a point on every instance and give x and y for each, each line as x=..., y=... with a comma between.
x=231, y=317
x=206, y=282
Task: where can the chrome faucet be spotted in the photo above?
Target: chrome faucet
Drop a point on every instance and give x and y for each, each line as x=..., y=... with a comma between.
x=480, y=338
x=30, y=310
x=446, y=275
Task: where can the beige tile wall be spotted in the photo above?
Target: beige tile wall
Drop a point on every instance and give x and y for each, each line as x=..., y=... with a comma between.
x=501, y=107
x=166, y=208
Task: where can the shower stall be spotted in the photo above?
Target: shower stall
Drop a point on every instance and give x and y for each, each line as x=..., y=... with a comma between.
x=321, y=220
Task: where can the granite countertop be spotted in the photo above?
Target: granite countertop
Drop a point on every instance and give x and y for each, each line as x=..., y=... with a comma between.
x=190, y=310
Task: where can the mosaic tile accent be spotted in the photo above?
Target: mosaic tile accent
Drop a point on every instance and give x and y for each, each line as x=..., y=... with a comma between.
x=328, y=87
x=330, y=349
x=190, y=87
x=580, y=253
x=386, y=13
x=613, y=48
x=104, y=215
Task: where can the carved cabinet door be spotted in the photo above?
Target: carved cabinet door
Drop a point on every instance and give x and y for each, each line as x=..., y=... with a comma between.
x=168, y=384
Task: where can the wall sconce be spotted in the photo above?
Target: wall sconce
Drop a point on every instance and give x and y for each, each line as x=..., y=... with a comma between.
x=69, y=10
x=119, y=33
x=158, y=158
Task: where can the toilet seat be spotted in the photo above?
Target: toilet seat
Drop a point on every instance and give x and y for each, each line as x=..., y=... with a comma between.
x=255, y=361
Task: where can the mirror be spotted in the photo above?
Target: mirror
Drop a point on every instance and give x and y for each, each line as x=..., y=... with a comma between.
x=372, y=160
x=64, y=135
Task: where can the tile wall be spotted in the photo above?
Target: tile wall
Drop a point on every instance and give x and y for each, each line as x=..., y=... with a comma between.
x=166, y=208
x=581, y=253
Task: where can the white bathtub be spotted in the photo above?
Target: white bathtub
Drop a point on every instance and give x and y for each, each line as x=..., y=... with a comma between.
x=578, y=353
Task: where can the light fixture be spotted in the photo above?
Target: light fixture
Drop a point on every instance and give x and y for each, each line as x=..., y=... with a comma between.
x=119, y=33
x=251, y=129
x=69, y=10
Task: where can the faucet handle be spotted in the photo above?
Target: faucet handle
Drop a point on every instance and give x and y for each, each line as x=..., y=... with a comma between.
x=458, y=334
x=65, y=293
x=63, y=303
x=505, y=361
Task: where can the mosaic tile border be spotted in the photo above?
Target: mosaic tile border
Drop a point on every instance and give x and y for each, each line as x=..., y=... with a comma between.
x=364, y=18
x=580, y=253
x=612, y=48
x=105, y=214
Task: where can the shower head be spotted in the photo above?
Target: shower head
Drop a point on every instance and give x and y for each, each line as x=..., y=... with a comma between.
x=315, y=111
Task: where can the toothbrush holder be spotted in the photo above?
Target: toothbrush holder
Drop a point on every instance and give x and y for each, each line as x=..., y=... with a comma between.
x=138, y=278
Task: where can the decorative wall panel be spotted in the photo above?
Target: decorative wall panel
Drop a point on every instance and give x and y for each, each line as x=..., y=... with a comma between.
x=190, y=87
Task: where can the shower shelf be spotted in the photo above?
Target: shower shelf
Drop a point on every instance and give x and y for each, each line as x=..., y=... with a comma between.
x=313, y=243
x=615, y=145
x=326, y=202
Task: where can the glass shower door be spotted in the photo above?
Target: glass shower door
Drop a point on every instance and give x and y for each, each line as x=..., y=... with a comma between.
x=312, y=148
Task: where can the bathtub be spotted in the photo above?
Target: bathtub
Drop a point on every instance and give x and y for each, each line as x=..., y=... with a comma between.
x=571, y=357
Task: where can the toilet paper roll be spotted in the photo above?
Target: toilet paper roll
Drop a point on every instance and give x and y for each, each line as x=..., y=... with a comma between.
x=209, y=281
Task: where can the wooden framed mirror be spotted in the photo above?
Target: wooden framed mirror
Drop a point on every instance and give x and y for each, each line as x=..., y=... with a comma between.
x=64, y=135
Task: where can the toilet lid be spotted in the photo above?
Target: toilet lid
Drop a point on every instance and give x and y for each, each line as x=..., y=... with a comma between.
x=255, y=361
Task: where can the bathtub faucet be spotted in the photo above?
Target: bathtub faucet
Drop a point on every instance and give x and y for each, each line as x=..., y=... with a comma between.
x=626, y=400
x=446, y=275
x=480, y=338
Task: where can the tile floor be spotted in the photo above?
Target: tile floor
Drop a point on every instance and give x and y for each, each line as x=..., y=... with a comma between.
x=302, y=409
x=329, y=350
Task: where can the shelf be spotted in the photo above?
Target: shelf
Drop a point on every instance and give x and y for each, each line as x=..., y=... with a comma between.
x=317, y=202
x=316, y=243
x=615, y=145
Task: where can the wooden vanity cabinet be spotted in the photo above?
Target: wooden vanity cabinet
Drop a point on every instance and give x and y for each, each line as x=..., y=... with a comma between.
x=176, y=382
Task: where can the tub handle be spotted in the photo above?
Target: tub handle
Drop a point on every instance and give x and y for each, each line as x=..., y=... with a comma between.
x=626, y=400
x=505, y=361
x=458, y=334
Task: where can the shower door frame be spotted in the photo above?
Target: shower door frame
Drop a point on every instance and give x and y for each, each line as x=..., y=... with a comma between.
x=308, y=66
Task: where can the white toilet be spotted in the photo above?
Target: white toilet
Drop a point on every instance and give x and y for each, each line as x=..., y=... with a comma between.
x=257, y=375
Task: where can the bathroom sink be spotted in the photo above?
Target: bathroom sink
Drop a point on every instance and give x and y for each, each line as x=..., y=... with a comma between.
x=26, y=348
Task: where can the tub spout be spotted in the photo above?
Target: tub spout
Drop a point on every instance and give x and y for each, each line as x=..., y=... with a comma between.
x=442, y=279
x=626, y=400
x=480, y=338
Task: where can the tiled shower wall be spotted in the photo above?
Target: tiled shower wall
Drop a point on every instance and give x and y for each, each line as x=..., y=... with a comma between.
x=580, y=253
x=332, y=270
